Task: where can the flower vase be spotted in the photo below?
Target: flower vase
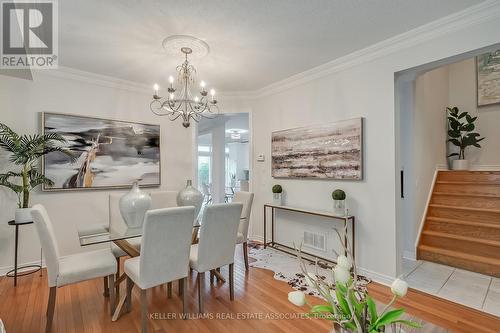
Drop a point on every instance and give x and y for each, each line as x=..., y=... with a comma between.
x=23, y=215
x=134, y=205
x=190, y=196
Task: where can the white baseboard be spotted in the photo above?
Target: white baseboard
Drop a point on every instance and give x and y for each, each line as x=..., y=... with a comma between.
x=5, y=269
x=474, y=167
x=410, y=255
x=376, y=277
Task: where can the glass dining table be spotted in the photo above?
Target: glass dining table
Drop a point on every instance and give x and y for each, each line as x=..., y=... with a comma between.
x=120, y=234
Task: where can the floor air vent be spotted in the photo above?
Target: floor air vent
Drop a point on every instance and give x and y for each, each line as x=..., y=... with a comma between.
x=315, y=240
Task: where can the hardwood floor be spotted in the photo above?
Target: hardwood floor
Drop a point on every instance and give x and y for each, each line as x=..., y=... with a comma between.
x=82, y=308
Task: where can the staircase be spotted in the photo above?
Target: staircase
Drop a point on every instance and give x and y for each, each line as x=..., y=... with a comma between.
x=462, y=225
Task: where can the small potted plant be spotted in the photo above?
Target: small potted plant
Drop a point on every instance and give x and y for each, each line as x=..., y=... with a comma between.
x=277, y=195
x=338, y=197
x=25, y=151
x=460, y=134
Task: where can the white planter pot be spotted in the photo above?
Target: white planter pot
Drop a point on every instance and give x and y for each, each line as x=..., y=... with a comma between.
x=23, y=215
x=134, y=205
x=460, y=165
x=277, y=199
x=339, y=207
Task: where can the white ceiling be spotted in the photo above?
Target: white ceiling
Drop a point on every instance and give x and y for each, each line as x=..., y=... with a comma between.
x=253, y=43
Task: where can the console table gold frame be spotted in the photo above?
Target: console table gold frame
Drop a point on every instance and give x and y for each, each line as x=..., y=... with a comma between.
x=274, y=244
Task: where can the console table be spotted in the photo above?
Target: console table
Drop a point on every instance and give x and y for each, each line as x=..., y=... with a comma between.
x=346, y=219
x=34, y=268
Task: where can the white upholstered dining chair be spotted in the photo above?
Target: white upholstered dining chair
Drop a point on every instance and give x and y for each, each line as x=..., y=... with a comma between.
x=164, y=258
x=73, y=268
x=246, y=198
x=159, y=199
x=217, y=243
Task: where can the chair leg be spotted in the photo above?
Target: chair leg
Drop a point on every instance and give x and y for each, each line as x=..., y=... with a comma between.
x=112, y=294
x=184, y=297
x=231, y=282
x=169, y=289
x=212, y=275
x=245, y=254
x=180, y=284
x=130, y=285
x=50, y=308
x=201, y=283
x=117, y=276
x=144, y=311
x=105, y=293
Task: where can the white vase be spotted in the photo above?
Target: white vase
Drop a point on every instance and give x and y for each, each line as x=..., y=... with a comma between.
x=277, y=199
x=23, y=215
x=190, y=196
x=460, y=165
x=134, y=205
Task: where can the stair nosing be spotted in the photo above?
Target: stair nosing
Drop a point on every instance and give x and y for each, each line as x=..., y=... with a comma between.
x=473, y=209
x=470, y=223
x=460, y=182
x=466, y=256
x=462, y=238
x=494, y=196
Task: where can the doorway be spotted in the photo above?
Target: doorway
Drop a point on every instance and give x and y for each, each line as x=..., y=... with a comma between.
x=223, y=156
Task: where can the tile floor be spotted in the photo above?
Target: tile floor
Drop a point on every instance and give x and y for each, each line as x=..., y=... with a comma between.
x=471, y=289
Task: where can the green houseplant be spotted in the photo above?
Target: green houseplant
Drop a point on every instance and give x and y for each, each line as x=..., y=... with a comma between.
x=277, y=195
x=25, y=152
x=460, y=132
x=338, y=197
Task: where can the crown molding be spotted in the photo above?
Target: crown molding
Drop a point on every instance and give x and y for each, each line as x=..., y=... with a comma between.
x=480, y=13
x=474, y=15
x=91, y=78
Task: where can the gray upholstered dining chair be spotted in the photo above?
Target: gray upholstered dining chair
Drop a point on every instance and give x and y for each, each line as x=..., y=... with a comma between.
x=246, y=198
x=164, y=258
x=73, y=268
x=217, y=243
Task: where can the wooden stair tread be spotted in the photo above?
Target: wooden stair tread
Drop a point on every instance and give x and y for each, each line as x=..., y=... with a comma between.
x=473, y=209
x=460, y=182
x=462, y=238
x=475, y=195
x=462, y=222
x=460, y=255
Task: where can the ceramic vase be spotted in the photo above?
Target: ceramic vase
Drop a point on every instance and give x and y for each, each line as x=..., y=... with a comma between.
x=190, y=196
x=134, y=205
x=23, y=215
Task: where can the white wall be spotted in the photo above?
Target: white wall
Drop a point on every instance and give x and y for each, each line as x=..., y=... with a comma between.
x=20, y=102
x=346, y=89
x=462, y=93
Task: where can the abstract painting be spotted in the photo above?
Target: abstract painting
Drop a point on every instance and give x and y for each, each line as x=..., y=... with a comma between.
x=488, y=78
x=328, y=151
x=109, y=153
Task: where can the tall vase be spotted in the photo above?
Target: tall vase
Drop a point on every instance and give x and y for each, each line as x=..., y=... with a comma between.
x=134, y=205
x=190, y=196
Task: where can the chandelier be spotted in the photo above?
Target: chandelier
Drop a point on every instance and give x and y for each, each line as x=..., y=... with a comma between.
x=180, y=102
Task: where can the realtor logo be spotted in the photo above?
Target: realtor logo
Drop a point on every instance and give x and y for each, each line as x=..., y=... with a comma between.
x=29, y=34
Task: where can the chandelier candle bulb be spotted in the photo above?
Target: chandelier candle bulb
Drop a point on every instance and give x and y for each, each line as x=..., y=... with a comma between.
x=156, y=90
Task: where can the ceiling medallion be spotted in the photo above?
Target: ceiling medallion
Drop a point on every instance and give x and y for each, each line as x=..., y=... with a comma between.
x=180, y=101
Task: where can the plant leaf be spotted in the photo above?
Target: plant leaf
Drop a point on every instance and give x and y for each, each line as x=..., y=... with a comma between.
x=372, y=309
x=388, y=317
x=453, y=154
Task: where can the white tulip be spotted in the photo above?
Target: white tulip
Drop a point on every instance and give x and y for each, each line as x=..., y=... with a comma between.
x=344, y=262
x=341, y=274
x=297, y=297
x=399, y=287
